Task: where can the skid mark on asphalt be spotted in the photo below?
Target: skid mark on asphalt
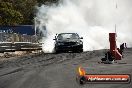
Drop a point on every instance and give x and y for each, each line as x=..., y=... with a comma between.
x=14, y=71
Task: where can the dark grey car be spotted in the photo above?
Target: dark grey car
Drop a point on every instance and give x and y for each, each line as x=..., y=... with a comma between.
x=68, y=42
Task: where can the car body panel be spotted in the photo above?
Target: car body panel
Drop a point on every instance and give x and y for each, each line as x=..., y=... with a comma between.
x=68, y=43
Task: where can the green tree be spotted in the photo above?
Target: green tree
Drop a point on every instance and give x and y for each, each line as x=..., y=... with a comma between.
x=27, y=8
x=20, y=11
x=47, y=1
x=8, y=15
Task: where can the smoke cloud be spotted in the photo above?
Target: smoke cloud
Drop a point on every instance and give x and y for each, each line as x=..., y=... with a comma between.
x=91, y=19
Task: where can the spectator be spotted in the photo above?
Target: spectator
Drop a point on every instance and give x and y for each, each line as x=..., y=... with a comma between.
x=125, y=45
x=121, y=48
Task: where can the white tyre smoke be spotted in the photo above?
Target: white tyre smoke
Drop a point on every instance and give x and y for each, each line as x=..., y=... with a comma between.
x=92, y=19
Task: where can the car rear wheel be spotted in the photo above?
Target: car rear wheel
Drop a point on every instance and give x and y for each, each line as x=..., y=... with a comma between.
x=81, y=50
x=78, y=51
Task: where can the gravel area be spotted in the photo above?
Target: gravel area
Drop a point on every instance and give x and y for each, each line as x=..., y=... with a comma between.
x=59, y=70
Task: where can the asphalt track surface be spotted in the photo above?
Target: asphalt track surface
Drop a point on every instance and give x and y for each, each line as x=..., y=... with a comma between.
x=59, y=70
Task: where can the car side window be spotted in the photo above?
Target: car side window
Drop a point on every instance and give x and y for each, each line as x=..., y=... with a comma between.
x=74, y=36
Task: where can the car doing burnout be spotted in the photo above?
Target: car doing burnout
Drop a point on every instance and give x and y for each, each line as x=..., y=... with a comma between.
x=68, y=42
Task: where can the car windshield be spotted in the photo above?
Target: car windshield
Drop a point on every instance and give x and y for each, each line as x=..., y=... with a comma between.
x=67, y=36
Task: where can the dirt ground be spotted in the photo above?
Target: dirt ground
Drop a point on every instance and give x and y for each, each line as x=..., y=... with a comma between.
x=59, y=70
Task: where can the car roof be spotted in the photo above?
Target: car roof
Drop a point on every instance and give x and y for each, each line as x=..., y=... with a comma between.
x=67, y=33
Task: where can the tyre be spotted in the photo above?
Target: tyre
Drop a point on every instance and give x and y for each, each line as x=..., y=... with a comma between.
x=57, y=51
x=81, y=50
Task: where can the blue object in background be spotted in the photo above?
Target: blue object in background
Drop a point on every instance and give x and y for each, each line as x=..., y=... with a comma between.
x=19, y=29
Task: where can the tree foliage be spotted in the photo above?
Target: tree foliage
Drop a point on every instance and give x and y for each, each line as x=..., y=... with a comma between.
x=9, y=16
x=14, y=12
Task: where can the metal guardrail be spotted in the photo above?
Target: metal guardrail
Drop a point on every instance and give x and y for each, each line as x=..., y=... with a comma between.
x=11, y=42
x=19, y=46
